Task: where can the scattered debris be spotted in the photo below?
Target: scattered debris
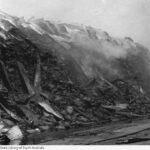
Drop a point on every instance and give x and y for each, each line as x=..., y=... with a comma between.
x=49, y=109
x=116, y=107
x=42, y=94
x=14, y=133
x=31, y=131
x=10, y=113
x=36, y=91
x=4, y=76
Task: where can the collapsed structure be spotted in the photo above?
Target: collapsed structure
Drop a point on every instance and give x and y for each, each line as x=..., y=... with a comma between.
x=48, y=89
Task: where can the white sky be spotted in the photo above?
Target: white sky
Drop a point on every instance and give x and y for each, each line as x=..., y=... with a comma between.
x=118, y=17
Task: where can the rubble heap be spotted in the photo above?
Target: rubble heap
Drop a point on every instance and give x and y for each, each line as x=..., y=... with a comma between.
x=37, y=94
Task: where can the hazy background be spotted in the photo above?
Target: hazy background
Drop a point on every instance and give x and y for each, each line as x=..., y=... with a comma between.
x=118, y=17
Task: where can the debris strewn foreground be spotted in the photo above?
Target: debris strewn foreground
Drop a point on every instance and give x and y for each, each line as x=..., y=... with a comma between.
x=37, y=94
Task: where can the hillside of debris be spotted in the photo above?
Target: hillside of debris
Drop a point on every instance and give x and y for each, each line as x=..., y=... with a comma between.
x=45, y=87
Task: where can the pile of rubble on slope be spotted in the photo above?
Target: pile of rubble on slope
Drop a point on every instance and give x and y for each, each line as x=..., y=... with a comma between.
x=37, y=94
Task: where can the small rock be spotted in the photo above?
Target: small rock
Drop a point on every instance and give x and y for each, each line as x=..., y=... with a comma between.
x=33, y=130
x=81, y=118
x=69, y=109
x=44, y=128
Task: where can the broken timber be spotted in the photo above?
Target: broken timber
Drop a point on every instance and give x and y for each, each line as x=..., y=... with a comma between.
x=98, y=135
x=35, y=90
x=4, y=76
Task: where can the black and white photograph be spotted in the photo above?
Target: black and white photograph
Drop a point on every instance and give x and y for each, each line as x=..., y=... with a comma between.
x=74, y=72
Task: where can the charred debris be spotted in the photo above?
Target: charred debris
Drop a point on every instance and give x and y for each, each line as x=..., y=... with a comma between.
x=38, y=92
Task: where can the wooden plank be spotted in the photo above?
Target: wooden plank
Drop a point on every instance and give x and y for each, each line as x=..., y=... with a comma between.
x=24, y=79
x=37, y=78
x=72, y=141
x=101, y=137
x=4, y=76
x=125, y=132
